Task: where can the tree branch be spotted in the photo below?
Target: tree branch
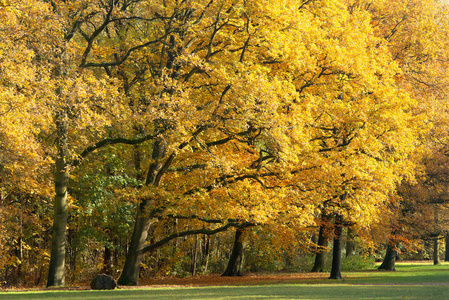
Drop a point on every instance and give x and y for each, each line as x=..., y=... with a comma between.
x=107, y=142
x=127, y=54
x=173, y=236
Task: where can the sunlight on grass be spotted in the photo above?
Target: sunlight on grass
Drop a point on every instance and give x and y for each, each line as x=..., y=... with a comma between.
x=406, y=273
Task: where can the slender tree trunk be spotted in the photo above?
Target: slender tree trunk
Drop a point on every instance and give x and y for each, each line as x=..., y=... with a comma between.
x=195, y=256
x=320, y=250
x=336, y=251
x=56, y=274
x=20, y=245
x=19, y=255
x=131, y=269
x=207, y=244
x=107, y=261
x=350, y=244
x=436, y=250
x=236, y=262
x=390, y=258
x=446, y=256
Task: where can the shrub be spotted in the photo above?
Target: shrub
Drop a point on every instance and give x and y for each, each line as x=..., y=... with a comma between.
x=357, y=263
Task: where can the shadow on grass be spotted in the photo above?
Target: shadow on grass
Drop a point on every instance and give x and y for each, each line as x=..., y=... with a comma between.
x=408, y=282
x=282, y=291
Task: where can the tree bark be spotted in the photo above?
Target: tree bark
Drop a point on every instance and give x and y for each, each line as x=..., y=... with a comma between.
x=350, y=244
x=336, y=251
x=320, y=250
x=19, y=253
x=390, y=258
x=195, y=256
x=446, y=256
x=236, y=262
x=206, y=253
x=107, y=261
x=56, y=273
x=131, y=269
x=436, y=250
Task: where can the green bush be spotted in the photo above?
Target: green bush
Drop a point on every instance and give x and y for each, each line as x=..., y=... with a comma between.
x=357, y=263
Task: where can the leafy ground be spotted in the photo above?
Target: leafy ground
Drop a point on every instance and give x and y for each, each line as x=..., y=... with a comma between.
x=410, y=281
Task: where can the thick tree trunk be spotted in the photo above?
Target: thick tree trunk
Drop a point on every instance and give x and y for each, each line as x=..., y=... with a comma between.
x=436, y=250
x=336, y=251
x=350, y=244
x=236, y=262
x=320, y=250
x=390, y=258
x=56, y=273
x=131, y=269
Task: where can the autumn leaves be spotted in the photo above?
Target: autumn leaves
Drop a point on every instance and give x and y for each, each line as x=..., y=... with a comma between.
x=269, y=112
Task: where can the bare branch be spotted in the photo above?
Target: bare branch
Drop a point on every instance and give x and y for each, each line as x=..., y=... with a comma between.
x=107, y=142
x=188, y=232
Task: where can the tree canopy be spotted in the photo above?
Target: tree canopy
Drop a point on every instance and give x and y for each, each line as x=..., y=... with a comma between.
x=156, y=121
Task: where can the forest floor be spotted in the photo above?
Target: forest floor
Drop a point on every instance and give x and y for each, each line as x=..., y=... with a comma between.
x=248, y=279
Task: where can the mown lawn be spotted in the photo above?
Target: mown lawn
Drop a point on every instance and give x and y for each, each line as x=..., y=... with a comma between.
x=410, y=281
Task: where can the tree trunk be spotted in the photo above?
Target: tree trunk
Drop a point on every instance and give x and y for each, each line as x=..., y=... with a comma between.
x=446, y=256
x=436, y=250
x=19, y=253
x=207, y=245
x=56, y=273
x=131, y=269
x=107, y=261
x=336, y=251
x=350, y=244
x=320, y=250
x=236, y=262
x=195, y=256
x=390, y=258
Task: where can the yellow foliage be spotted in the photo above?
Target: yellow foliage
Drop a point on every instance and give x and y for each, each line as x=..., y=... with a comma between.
x=269, y=111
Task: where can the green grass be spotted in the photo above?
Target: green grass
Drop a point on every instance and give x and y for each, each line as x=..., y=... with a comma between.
x=410, y=281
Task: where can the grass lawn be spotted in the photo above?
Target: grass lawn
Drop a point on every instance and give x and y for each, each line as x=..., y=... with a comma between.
x=410, y=281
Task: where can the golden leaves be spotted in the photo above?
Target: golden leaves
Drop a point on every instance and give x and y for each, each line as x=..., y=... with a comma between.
x=270, y=111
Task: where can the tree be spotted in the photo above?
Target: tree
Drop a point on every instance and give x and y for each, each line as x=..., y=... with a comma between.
x=22, y=159
x=236, y=262
x=246, y=112
x=348, y=125
x=229, y=126
x=72, y=96
x=446, y=249
x=416, y=33
x=390, y=257
x=336, y=250
x=321, y=248
x=350, y=243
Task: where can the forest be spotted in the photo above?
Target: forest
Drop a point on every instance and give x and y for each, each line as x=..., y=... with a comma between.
x=143, y=138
